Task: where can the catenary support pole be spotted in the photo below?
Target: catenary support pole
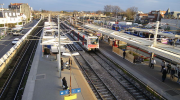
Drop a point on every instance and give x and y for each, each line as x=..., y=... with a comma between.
x=156, y=32
x=59, y=68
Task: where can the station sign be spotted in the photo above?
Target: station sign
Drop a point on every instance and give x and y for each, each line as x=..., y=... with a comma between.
x=65, y=92
x=77, y=90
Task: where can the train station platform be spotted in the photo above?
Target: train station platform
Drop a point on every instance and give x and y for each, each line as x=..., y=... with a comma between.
x=170, y=89
x=44, y=82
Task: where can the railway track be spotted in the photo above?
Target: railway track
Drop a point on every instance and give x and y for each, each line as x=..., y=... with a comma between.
x=129, y=84
x=101, y=84
x=100, y=89
x=137, y=91
x=19, y=69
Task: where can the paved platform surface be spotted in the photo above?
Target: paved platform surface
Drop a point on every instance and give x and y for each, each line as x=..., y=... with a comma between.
x=44, y=82
x=170, y=89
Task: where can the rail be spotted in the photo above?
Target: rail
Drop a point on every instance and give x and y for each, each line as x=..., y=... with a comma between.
x=11, y=50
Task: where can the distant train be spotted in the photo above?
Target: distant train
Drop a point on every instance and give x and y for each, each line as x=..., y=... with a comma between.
x=163, y=38
x=119, y=27
x=88, y=41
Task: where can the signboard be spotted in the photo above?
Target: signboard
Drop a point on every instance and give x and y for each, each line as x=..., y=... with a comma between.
x=77, y=90
x=65, y=92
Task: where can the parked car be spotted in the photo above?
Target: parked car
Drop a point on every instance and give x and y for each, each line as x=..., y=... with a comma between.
x=15, y=41
x=17, y=32
x=9, y=31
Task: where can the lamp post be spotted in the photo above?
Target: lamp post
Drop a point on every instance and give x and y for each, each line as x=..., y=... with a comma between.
x=59, y=68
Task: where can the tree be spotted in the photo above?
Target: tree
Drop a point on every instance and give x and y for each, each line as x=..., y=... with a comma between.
x=99, y=12
x=107, y=10
x=130, y=12
x=116, y=10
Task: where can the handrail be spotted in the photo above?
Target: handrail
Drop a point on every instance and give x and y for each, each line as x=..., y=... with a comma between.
x=11, y=50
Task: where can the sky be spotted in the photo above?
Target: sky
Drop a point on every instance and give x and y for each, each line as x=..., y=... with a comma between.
x=95, y=5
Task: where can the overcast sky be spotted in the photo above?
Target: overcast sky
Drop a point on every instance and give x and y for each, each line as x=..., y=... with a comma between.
x=94, y=5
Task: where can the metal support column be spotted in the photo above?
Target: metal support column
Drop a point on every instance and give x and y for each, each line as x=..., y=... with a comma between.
x=59, y=60
x=156, y=32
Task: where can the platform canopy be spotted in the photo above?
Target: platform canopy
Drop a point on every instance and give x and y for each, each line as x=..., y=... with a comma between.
x=167, y=51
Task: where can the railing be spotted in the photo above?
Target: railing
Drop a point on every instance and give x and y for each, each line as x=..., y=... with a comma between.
x=11, y=50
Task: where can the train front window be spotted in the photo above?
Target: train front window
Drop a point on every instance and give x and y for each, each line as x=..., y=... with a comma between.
x=94, y=40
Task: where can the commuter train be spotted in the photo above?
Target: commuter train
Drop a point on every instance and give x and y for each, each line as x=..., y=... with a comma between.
x=118, y=27
x=88, y=41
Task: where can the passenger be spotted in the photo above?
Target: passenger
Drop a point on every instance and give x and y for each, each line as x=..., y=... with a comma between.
x=124, y=54
x=153, y=61
x=64, y=84
x=164, y=74
x=178, y=76
x=69, y=61
x=62, y=68
x=169, y=68
x=172, y=73
x=163, y=64
x=67, y=64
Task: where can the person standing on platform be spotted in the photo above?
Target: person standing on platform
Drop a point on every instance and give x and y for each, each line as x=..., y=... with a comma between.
x=67, y=64
x=124, y=54
x=164, y=72
x=62, y=65
x=153, y=61
x=172, y=73
x=64, y=84
x=163, y=64
x=178, y=76
x=169, y=68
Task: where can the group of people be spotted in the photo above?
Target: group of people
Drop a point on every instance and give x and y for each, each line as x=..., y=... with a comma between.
x=169, y=70
x=67, y=64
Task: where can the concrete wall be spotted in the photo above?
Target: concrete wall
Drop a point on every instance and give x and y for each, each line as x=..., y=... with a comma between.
x=9, y=59
x=6, y=60
x=119, y=52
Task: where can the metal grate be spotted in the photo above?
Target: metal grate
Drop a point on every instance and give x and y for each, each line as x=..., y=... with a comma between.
x=172, y=93
x=41, y=76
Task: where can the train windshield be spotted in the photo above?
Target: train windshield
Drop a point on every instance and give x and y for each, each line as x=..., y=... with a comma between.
x=94, y=41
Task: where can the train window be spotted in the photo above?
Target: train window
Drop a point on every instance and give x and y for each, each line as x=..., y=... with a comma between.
x=94, y=40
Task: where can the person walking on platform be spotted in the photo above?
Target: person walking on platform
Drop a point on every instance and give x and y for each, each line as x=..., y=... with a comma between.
x=164, y=74
x=163, y=64
x=62, y=65
x=153, y=61
x=172, y=73
x=124, y=54
x=64, y=84
x=169, y=68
